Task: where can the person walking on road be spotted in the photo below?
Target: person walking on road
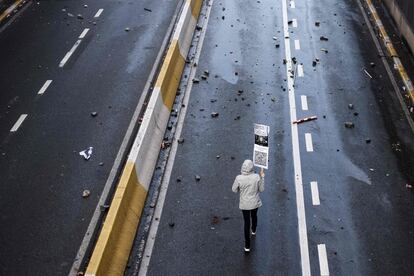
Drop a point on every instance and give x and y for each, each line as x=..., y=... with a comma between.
x=249, y=185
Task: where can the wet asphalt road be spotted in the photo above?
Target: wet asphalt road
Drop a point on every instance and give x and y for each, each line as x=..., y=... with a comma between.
x=43, y=215
x=365, y=216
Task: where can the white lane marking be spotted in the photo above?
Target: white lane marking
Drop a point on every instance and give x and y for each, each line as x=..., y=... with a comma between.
x=170, y=163
x=292, y=4
x=44, y=87
x=309, y=144
x=18, y=123
x=82, y=35
x=300, y=70
x=98, y=13
x=300, y=201
x=304, y=101
x=323, y=260
x=315, y=193
x=68, y=54
x=294, y=23
x=297, y=44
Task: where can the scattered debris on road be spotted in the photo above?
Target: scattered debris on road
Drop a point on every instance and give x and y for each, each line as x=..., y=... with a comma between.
x=368, y=74
x=349, y=124
x=87, y=153
x=307, y=119
x=86, y=193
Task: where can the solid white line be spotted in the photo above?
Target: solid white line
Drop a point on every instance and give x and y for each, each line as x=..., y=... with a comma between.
x=170, y=163
x=323, y=260
x=82, y=35
x=294, y=23
x=44, y=87
x=308, y=140
x=68, y=54
x=300, y=70
x=315, y=193
x=300, y=201
x=304, y=101
x=297, y=44
x=18, y=123
x=98, y=13
x=292, y=4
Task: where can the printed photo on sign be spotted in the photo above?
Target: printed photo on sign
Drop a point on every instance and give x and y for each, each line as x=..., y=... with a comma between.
x=261, y=146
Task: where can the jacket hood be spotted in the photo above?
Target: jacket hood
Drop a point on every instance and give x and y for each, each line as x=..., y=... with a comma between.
x=247, y=167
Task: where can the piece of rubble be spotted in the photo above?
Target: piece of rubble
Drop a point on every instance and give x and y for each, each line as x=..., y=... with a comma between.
x=196, y=80
x=317, y=23
x=80, y=16
x=94, y=114
x=214, y=114
x=86, y=193
x=367, y=140
x=350, y=106
x=127, y=29
x=171, y=224
x=87, y=153
x=148, y=10
x=197, y=177
x=323, y=38
x=324, y=50
x=307, y=119
x=349, y=124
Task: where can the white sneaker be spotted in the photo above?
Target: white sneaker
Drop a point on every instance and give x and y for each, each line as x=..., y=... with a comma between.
x=246, y=249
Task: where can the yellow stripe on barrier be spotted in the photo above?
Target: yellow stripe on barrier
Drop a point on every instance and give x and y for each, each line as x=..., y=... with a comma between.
x=195, y=7
x=10, y=10
x=170, y=74
x=112, y=249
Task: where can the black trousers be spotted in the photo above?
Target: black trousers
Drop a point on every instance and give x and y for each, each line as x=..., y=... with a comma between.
x=246, y=216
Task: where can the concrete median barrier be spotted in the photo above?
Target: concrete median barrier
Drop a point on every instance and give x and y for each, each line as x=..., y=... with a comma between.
x=112, y=249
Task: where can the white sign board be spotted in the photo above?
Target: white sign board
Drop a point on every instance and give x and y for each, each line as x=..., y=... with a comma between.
x=261, y=146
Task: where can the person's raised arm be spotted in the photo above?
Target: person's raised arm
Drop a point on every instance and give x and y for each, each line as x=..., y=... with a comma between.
x=261, y=180
x=235, y=187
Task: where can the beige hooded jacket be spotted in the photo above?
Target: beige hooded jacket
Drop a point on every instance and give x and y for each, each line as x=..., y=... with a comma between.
x=249, y=185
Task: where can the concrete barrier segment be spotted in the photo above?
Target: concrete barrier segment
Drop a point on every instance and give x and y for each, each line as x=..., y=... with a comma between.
x=115, y=240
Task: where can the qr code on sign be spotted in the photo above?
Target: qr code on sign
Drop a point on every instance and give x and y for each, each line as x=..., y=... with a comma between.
x=260, y=158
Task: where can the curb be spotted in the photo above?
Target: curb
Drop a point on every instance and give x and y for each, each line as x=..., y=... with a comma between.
x=391, y=50
x=9, y=10
x=111, y=252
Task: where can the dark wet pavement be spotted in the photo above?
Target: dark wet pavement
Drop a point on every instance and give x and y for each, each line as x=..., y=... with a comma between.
x=43, y=215
x=365, y=216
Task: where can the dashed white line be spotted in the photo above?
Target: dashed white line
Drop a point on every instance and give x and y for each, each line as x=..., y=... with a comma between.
x=292, y=4
x=82, y=35
x=308, y=140
x=304, y=101
x=323, y=260
x=294, y=23
x=300, y=201
x=98, y=13
x=44, y=87
x=297, y=44
x=68, y=54
x=315, y=193
x=300, y=70
x=18, y=123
